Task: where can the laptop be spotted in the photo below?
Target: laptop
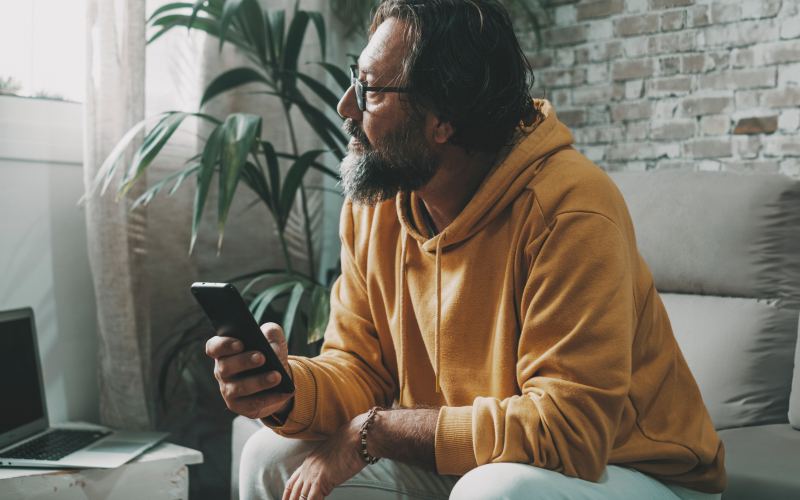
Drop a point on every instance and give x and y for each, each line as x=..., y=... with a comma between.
x=26, y=437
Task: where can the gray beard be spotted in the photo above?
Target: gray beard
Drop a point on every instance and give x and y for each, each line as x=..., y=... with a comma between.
x=403, y=161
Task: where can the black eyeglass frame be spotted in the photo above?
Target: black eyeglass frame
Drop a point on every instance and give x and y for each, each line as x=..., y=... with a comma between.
x=361, y=89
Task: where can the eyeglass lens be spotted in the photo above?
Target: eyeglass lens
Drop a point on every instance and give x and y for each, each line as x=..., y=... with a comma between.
x=359, y=88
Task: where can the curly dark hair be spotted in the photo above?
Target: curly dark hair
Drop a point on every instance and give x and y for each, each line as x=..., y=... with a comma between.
x=465, y=65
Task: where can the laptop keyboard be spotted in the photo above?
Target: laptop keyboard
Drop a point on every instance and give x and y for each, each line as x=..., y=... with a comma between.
x=55, y=445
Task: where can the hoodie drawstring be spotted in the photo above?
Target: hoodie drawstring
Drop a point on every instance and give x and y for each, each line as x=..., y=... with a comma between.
x=401, y=374
x=438, y=308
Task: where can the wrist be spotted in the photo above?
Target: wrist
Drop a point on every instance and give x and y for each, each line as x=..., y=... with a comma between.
x=367, y=435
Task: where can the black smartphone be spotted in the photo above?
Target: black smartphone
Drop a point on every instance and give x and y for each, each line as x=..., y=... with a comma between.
x=230, y=317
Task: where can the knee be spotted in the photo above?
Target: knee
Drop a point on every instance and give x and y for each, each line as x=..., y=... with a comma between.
x=268, y=461
x=505, y=481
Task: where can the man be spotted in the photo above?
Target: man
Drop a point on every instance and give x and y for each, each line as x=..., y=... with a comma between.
x=491, y=289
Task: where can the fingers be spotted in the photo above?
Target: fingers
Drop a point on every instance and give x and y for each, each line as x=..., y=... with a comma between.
x=229, y=366
x=275, y=337
x=314, y=492
x=290, y=484
x=218, y=346
x=258, y=405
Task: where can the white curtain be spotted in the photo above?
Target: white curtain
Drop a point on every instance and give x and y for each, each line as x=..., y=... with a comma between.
x=115, y=52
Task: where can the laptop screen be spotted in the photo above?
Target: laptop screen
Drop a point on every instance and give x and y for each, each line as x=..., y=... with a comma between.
x=20, y=389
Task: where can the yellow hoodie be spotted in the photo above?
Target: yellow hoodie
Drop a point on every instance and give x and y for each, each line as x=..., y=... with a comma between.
x=532, y=320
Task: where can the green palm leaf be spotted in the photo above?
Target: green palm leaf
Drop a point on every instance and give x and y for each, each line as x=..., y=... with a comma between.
x=148, y=195
x=241, y=131
x=319, y=23
x=228, y=11
x=318, y=313
x=263, y=300
x=208, y=162
x=321, y=90
x=292, y=181
x=232, y=79
x=339, y=76
x=291, y=309
x=149, y=149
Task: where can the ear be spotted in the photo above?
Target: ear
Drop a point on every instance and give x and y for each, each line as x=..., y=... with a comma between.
x=442, y=132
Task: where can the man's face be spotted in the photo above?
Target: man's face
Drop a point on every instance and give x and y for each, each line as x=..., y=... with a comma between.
x=388, y=150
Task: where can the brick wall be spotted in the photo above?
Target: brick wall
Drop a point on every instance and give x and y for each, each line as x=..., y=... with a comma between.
x=697, y=84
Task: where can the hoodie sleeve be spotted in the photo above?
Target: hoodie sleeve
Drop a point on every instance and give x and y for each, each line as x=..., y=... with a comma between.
x=573, y=362
x=348, y=377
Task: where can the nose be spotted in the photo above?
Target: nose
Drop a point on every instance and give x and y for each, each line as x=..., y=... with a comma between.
x=348, y=106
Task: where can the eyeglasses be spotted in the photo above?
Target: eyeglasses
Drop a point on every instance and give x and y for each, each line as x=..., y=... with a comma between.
x=361, y=89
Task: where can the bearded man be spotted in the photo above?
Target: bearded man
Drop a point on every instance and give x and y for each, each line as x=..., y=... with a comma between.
x=493, y=320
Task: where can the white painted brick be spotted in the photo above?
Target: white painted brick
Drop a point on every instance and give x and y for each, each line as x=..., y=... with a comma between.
x=747, y=146
x=790, y=27
x=597, y=52
x=642, y=151
x=597, y=73
x=665, y=109
x=790, y=8
x=636, y=6
x=777, y=52
x=725, y=12
x=634, y=47
x=789, y=75
x=760, y=9
x=673, y=129
x=791, y=167
x=668, y=87
x=635, y=131
x=715, y=124
x=738, y=34
x=781, y=145
x=634, y=89
x=599, y=114
x=682, y=41
x=708, y=148
x=565, y=15
x=706, y=105
x=593, y=153
x=763, y=167
x=697, y=16
x=600, y=30
x=628, y=111
x=564, y=57
x=673, y=20
x=738, y=79
x=750, y=113
x=558, y=97
x=596, y=93
x=709, y=166
x=789, y=120
x=744, y=58
x=598, y=135
x=635, y=166
x=748, y=99
x=675, y=165
x=562, y=78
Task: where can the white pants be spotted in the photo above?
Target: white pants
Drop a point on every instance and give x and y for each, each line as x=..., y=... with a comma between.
x=268, y=461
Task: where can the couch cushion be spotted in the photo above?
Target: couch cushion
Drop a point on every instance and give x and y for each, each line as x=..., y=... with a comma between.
x=741, y=353
x=717, y=233
x=794, y=399
x=762, y=462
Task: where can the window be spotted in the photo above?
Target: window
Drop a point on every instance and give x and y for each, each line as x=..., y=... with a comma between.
x=42, y=48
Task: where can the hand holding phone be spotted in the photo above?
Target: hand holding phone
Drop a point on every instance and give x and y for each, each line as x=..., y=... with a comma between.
x=251, y=363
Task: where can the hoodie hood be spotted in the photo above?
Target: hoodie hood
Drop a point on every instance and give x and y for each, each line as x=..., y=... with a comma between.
x=514, y=169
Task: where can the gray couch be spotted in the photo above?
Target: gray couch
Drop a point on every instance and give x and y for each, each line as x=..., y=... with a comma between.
x=725, y=253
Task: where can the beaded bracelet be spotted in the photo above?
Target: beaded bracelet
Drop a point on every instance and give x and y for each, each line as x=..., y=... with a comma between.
x=364, y=427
